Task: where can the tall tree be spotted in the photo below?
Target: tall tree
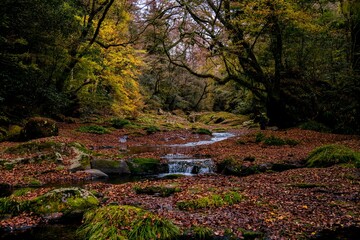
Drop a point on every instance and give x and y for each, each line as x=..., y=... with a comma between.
x=234, y=35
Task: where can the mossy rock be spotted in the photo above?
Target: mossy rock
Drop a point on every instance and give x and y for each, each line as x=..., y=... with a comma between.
x=146, y=166
x=126, y=222
x=110, y=166
x=328, y=155
x=67, y=201
x=64, y=200
x=35, y=147
x=14, y=133
x=39, y=127
x=230, y=166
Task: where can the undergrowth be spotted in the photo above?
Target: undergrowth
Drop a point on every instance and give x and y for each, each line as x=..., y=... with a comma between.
x=161, y=191
x=125, y=222
x=93, y=129
x=328, y=155
x=212, y=201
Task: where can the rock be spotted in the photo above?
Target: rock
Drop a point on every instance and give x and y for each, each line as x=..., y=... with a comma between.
x=64, y=201
x=39, y=127
x=110, y=166
x=80, y=162
x=96, y=174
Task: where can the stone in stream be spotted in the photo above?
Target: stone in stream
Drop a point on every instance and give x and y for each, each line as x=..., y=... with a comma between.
x=96, y=174
x=110, y=166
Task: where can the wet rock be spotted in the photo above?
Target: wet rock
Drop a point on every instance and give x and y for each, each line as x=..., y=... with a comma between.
x=110, y=166
x=96, y=174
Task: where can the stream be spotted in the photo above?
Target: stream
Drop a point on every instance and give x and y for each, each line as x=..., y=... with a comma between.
x=178, y=162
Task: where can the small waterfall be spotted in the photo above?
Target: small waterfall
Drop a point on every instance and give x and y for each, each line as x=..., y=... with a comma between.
x=187, y=165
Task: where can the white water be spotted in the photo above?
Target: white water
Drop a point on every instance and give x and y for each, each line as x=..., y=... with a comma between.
x=216, y=137
x=187, y=165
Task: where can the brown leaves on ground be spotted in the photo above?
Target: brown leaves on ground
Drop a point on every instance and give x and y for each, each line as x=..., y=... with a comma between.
x=291, y=204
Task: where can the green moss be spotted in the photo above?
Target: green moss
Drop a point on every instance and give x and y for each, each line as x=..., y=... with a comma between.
x=251, y=235
x=93, y=129
x=8, y=206
x=152, y=129
x=65, y=200
x=275, y=141
x=119, y=123
x=14, y=133
x=34, y=147
x=140, y=166
x=125, y=222
x=202, y=131
x=314, y=126
x=21, y=192
x=80, y=147
x=31, y=181
x=162, y=191
x=259, y=137
x=329, y=155
x=212, y=201
x=201, y=232
x=221, y=118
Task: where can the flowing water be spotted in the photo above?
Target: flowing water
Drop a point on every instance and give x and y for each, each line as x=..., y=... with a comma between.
x=178, y=162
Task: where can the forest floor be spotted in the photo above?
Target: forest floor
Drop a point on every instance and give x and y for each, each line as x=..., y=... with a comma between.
x=298, y=203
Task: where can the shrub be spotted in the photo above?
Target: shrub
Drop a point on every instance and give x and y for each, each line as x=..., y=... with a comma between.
x=152, y=129
x=93, y=129
x=119, y=123
x=202, y=131
x=329, y=155
x=314, y=126
x=212, y=201
x=125, y=222
x=276, y=141
x=259, y=137
x=200, y=232
x=161, y=191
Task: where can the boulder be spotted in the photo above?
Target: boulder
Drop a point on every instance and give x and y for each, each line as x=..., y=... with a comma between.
x=65, y=201
x=110, y=166
x=96, y=174
x=39, y=127
x=80, y=162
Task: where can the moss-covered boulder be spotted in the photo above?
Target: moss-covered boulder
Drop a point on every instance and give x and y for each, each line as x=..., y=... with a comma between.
x=81, y=161
x=328, y=155
x=39, y=127
x=110, y=166
x=62, y=202
x=146, y=166
x=126, y=222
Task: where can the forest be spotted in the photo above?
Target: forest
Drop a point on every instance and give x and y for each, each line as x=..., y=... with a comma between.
x=180, y=119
